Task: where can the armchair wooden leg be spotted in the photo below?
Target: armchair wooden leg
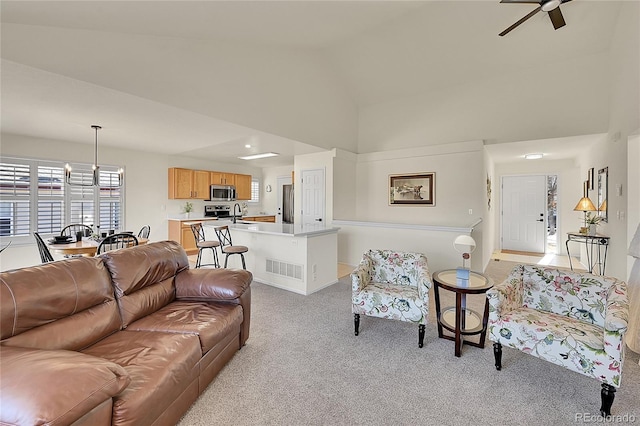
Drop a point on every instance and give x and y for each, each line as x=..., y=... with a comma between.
x=607, y=394
x=497, y=353
x=356, y=322
x=420, y=335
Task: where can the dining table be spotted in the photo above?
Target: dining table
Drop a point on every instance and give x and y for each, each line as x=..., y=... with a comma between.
x=85, y=247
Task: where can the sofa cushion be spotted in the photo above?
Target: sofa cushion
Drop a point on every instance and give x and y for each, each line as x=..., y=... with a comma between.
x=67, y=304
x=143, y=277
x=161, y=366
x=211, y=322
x=54, y=387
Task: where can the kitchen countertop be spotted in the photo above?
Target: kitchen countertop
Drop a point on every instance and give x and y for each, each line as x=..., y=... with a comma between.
x=285, y=229
x=192, y=218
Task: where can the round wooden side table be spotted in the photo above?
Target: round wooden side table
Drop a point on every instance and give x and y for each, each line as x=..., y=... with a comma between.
x=459, y=319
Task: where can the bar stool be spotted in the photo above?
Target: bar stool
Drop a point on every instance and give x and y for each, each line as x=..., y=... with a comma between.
x=226, y=245
x=202, y=244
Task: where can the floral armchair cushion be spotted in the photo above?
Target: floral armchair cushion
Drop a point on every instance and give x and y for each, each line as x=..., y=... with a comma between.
x=393, y=285
x=568, y=293
x=583, y=333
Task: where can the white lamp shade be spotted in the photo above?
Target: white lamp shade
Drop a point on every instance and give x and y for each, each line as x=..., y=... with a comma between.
x=464, y=244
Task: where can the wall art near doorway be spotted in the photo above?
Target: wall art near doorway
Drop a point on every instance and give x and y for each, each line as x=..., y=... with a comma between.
x=417, y=188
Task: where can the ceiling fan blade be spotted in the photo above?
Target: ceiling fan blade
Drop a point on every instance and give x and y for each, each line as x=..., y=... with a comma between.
x=529, y=15
x=556, y=18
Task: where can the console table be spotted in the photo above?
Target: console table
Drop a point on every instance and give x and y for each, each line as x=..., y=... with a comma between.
x=596, y=249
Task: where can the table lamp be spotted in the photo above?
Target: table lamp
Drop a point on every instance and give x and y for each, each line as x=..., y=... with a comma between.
x=585, y=205
x=466, y=245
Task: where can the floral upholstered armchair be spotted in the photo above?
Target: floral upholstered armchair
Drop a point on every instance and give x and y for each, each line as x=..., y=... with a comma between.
x=575, y=320
x=393, y=285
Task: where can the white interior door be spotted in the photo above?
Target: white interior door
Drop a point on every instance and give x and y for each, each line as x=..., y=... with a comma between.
x=523, y=213
x=312, y=196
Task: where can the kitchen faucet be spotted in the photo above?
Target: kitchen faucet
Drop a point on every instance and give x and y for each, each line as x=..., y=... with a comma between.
x=234, y=212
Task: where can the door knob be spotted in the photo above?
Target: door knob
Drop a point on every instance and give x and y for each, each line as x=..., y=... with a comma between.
x=319, y=220
x=540, y=220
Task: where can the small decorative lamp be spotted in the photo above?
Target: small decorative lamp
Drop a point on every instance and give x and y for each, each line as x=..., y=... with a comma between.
x=466, y=245
x=585, y=205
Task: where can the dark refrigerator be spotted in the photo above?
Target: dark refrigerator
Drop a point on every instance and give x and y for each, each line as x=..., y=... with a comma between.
x=287, y=203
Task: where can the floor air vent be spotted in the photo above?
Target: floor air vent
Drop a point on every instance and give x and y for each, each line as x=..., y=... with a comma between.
x=283, y=268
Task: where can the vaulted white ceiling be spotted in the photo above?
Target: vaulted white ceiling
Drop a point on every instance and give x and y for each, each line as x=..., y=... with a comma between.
x=206, y=78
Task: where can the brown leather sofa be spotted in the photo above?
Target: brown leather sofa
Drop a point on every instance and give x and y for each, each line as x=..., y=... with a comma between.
x=131, y=337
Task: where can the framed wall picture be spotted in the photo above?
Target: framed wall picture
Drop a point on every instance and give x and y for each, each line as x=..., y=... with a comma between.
x=413, y=189
x=591, y=179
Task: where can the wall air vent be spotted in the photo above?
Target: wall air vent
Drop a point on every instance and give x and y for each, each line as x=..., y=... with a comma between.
x=285, y=269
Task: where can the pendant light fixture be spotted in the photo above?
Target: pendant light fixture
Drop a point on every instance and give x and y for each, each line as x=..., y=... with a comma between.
x=95, y=181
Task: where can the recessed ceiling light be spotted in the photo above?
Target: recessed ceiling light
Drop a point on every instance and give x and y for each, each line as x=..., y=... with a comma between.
x=256, y=156
x=533, y=156
x=247, y=146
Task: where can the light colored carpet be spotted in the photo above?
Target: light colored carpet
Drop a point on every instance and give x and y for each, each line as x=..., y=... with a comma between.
x=302, y=365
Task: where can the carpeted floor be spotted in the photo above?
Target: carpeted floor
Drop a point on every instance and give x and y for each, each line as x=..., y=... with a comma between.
x=302, y=365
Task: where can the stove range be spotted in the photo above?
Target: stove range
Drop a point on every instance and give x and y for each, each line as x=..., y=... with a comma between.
x=219, y=211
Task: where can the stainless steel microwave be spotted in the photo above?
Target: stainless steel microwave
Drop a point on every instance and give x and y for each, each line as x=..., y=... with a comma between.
x=222, y=193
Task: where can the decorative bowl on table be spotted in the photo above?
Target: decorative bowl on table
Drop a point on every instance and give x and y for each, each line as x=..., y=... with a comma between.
x=61, y=239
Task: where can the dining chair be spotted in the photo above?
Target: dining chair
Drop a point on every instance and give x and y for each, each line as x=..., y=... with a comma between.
x=45, y=254
x=144, y=232
x=202, y=244
x=226, y=245
x=117, y=241
x=74, y=228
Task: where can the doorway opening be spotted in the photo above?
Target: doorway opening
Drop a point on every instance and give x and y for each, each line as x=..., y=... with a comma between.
x=552, y=214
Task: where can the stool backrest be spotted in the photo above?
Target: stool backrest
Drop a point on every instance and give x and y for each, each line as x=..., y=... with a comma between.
x=198, y=232
x=224, y=235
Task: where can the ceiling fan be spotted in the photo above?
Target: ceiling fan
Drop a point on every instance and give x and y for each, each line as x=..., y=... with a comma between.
x=550, y=6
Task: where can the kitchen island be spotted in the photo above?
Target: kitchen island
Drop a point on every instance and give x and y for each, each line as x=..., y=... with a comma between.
x=298, y=258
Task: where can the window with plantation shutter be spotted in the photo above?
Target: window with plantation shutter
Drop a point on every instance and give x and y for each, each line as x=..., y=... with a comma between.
x=255, y=191
x=50, y=199
x=35, y=198
x=81, y=198
x=15, y=196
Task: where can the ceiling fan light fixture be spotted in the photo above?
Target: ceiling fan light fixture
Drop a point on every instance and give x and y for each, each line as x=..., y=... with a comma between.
x=550, y=5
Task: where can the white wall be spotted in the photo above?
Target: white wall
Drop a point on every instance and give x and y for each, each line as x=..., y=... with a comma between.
x=459, y=186
x=344, y=184
x=508, y=108
x=289, y=92
x=146, y=197
x=492, y=204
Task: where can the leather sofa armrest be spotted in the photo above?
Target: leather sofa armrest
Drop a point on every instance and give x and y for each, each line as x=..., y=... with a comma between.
x=221, y=285
x=218, y=285
x=54, y=386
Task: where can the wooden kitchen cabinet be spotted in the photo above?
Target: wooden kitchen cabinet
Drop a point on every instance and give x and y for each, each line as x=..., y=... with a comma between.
x=188, y=184
x=180, y=231
x=260, y=218
x=243, y=187
x=220, y=178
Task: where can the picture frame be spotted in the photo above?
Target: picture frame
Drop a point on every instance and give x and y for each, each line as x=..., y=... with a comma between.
x=591, y=179
x=413, y=189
